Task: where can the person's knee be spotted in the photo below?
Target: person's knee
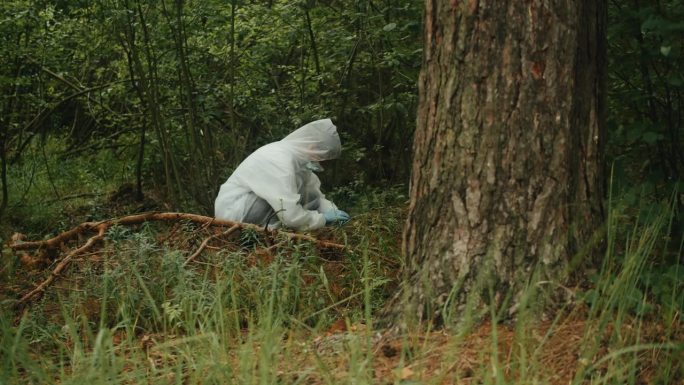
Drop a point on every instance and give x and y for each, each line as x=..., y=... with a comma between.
x=312, y=204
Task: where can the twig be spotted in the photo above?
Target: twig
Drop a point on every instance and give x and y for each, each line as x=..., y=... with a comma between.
x=266, y=251
x=268, y=220
x=273, y=247
x=62, y=264
x=55, y=241
x=206, y=242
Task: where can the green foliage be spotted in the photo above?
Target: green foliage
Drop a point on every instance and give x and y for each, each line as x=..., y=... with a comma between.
x=202, y=83
x=646, y=83
x=645, y=138
x=638, y=265
x=184, y=90
x=51, y=193
x=664, y=283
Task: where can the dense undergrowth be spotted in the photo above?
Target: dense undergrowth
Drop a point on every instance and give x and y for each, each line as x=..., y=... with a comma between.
x=130, y=312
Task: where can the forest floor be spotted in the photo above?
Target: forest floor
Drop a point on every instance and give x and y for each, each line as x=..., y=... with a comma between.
x=319, y=335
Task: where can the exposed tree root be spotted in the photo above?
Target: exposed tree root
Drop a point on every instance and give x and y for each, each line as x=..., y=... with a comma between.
x=101, y=227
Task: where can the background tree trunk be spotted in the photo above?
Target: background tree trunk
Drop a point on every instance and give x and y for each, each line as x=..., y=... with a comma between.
x=507, y=171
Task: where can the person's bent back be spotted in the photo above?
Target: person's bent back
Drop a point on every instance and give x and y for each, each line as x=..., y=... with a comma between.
x=278, y=179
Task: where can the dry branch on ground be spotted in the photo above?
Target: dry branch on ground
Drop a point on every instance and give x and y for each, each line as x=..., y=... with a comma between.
x=49, y=246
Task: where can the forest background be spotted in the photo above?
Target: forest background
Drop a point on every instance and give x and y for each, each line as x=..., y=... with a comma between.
x=115, y=107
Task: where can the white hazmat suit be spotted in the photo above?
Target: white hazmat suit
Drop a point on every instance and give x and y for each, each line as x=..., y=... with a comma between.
x=278, y=178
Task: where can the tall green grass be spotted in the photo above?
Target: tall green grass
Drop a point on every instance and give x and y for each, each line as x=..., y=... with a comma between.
x=133, y=314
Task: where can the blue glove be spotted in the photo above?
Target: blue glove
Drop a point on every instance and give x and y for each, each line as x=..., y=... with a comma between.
x=335, y=216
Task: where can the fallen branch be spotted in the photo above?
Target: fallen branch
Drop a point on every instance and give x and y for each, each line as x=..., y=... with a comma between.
x=62, y=264
x=101, y=227
x=157, y=216
x=53, y=243
x=206, y=242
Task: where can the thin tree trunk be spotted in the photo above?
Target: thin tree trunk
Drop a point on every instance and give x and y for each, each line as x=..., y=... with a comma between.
x=5, y=125
x=152, y=92
x=47, y=169
x=198, y=138
x=233, y=10
x=139, y=195
x=507, y=176
x=314, y=47
x=139, y=82
x=302, y=78
x=3, y=174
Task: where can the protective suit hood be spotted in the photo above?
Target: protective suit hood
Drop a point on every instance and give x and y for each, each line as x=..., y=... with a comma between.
x=315, y=141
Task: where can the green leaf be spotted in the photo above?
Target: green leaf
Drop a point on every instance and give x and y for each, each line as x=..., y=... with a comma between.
x=653, y=24
x=644, y=308
x=675, y=80
x=634, y=132
x=389, y=27
x=651, y=137
x=665, y=50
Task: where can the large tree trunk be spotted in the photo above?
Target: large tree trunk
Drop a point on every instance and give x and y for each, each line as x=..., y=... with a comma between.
x=507, y=175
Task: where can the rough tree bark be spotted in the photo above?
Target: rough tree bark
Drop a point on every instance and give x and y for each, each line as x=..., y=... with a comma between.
x=507, y=176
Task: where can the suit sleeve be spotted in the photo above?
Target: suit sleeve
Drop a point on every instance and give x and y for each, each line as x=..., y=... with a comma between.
x=313, y=190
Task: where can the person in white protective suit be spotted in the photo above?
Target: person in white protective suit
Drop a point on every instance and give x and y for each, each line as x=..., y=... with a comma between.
x=278, y=178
